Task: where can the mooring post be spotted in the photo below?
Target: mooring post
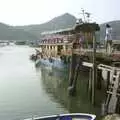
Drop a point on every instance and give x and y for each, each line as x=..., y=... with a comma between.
x=108, y=79
x=99, y=79
x=118, y=101
x=103, y=109
x=72, y=69
x=90, y=82
x=77, y=68
x=72, y=73
x=118, y=105
x=75, y=77
x=94, y=69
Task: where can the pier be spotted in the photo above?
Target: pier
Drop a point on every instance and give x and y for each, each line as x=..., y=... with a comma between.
x=80, y=44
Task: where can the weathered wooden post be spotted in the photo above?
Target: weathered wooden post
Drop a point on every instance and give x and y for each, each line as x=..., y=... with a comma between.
x=108, y=79
x=92, y=28
x=74, y=67
x=71, y=72
x=77, y=68
x=90, y=82
x=99, y=79
x=94, y=68
x=82, y=29
x=113, y=91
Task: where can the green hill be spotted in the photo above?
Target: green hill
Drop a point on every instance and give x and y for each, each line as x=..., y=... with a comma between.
x=10, y=33
x=32, y=32
x=60, y=22
x=66, y=21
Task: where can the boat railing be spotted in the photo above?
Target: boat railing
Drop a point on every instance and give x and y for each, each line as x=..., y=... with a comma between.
x=79, y=116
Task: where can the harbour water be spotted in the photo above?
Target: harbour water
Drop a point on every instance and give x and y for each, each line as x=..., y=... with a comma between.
x=26, y=91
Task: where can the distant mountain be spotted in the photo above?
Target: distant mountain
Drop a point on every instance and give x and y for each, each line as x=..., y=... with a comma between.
x=10, y=33
x=32, y=32
x=64, y=21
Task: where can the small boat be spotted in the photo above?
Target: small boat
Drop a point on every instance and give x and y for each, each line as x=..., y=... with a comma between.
x=51, y=62
x=33, y=57
x=72, y=116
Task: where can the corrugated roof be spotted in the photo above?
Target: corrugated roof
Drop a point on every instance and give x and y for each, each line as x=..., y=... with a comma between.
x=56, y=31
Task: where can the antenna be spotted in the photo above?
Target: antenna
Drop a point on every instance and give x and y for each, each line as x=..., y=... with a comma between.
x=88, y=16
x=85, y=15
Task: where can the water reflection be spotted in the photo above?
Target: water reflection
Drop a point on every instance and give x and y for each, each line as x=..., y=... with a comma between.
x=21, y=92
x=55, y=84
x=25, y=92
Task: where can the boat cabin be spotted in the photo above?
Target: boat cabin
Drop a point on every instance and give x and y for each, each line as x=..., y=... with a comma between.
x=62, y=42
x=55, y=45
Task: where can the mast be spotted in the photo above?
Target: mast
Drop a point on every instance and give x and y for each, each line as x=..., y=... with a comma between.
x=86, y=16
x=83, y=13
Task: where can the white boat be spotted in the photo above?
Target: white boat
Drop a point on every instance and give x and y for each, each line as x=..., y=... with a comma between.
x=72, y=116
x=54, y=63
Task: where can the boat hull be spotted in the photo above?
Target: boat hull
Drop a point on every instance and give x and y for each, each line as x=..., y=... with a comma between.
x=74, y=116
x=54, y=63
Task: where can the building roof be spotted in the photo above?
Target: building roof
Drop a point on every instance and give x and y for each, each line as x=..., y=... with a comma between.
x=56, y=31
x=85, y=27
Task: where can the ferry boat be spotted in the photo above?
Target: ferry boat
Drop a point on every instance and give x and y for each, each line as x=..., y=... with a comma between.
x=72, y=116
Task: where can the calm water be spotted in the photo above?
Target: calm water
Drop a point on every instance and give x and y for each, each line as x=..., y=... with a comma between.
x=26, y=91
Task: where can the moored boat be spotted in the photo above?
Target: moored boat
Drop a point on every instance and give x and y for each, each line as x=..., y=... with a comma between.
x=51, y=62
x=72, y=116
x=33, y=57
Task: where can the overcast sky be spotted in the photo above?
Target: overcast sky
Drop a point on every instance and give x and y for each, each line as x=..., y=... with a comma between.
x=24, y=12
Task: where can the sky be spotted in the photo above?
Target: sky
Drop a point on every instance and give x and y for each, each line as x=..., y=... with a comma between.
x=25, y=12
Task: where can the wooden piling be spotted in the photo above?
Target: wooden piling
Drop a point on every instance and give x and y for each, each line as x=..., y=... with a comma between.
x=90, y=81
x=118, y=106
x=75, y=77
x=94, y=69
x=108, y=79
x=99, y=79
x=77, y=68
x=71, y=88
x=72, y=69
